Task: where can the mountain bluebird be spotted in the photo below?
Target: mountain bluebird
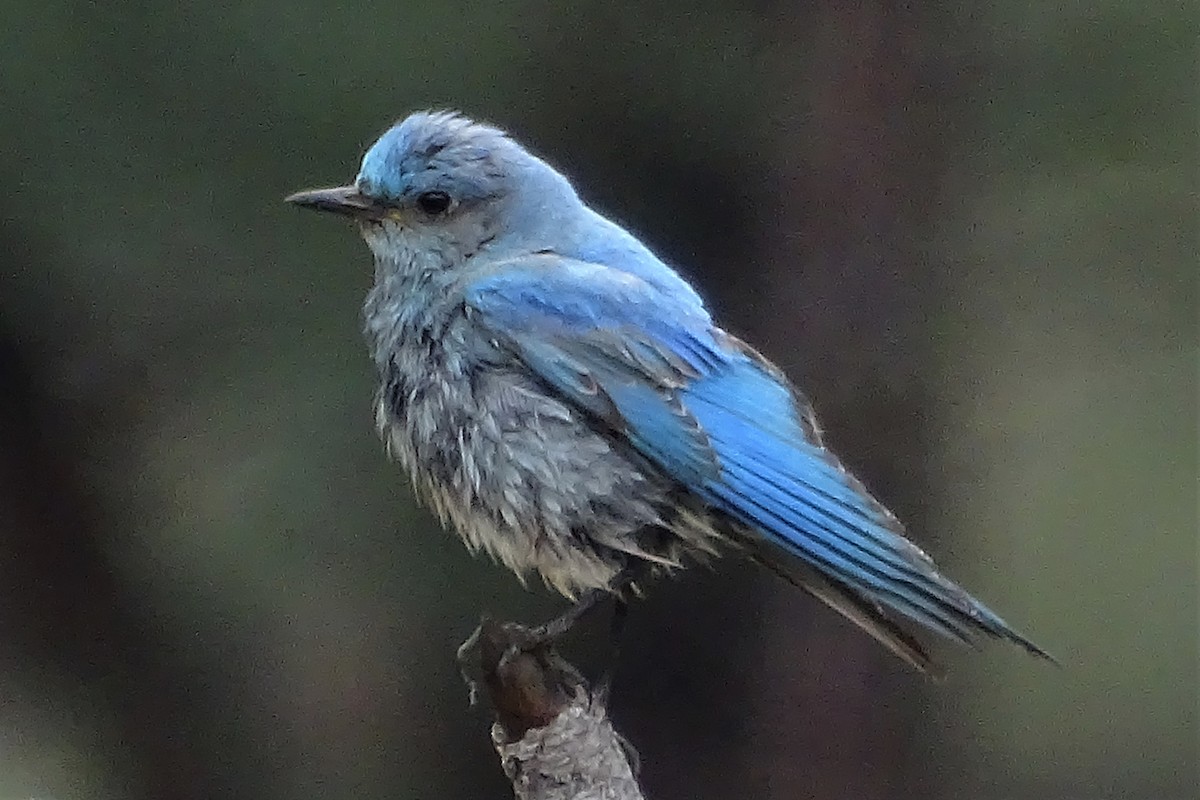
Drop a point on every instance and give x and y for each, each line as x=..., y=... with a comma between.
x=562, y=399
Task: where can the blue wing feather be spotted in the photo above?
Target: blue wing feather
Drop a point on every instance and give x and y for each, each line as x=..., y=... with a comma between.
x=723, y=423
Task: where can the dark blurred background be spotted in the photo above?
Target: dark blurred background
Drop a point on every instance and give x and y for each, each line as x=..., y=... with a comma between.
x=969, y=230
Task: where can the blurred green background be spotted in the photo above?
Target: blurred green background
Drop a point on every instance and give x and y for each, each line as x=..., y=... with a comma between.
x=969, y=230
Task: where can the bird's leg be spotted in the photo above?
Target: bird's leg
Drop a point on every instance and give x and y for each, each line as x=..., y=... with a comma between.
x=621, y=587
x=560, y=625
x=620, y=615
x=617, y=588
x=616, y=629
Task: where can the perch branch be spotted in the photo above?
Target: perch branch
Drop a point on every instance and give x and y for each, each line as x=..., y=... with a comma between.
x=552, y=733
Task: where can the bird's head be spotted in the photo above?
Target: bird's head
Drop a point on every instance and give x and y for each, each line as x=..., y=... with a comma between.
x=438, y=187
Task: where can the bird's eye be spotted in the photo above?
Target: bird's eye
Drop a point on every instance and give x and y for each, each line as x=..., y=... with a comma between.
x=433, y=203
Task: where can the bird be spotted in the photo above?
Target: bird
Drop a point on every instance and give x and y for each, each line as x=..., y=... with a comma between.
x=563, y=399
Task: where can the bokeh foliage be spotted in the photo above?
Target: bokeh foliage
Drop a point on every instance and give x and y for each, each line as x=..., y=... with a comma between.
x=969, y=230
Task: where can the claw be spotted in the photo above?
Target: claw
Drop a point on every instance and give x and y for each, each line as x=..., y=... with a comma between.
x=464, y=656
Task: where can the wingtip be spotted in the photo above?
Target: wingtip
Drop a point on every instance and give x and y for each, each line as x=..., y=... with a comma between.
x=1028, y=646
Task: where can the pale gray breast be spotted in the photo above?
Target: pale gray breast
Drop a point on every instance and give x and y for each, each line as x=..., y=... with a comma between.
x=515, y=471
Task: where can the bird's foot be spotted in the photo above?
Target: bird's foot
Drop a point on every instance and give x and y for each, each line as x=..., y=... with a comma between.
x=522, y=637
x=543, y=637
x=464, y=657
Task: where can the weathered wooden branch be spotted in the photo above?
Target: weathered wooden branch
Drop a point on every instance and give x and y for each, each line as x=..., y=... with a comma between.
x=552, y=732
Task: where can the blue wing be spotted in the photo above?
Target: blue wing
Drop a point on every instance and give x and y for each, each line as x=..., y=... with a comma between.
x=724, y=423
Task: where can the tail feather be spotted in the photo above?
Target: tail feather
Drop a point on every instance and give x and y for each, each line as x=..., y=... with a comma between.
x=863, y=613
x=794, y=494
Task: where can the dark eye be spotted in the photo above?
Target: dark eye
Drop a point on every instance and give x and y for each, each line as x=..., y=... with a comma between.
x=433, y=203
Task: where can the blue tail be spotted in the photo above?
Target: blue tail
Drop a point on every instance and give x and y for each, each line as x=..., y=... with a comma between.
x=778, y=480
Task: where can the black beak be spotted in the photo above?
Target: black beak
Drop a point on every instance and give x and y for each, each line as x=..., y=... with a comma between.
x=344, y=200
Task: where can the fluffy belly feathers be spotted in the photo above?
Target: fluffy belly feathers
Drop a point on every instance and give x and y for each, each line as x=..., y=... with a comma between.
x=515, y=473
